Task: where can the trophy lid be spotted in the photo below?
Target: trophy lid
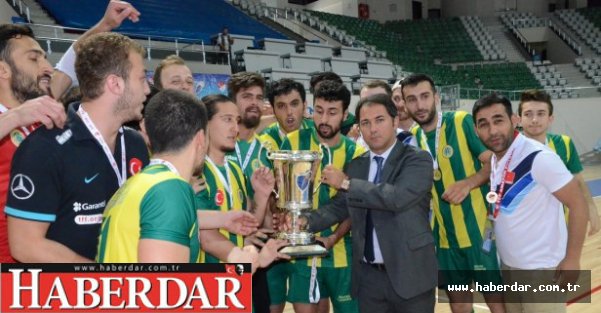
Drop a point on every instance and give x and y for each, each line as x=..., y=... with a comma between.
x=294, y=155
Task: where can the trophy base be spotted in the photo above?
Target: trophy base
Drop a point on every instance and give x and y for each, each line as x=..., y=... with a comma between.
x=302, y=245
x=305, y=251
x=296, y=239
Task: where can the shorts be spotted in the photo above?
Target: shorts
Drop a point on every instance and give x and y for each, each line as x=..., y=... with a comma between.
x=334, y=283
x=462, y=266
x=277, y=281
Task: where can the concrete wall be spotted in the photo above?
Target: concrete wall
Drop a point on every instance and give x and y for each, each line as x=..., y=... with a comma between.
x=6, y=13
x=503, y=5
x=346, y=7
x=537, y=7
x=577, y=4
x=557, y=50
x=452, y=8
x=534, y=34
x=389, y=10
x=577, y=118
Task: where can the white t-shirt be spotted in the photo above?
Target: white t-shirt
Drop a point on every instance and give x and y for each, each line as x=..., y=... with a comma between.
x=530, y=229
x=224, y=40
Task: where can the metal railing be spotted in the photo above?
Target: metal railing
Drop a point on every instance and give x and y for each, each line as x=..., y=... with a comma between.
x=569, y=40
x=514, y=95
x=517, y=23
x=56, y=33
x=23, y=9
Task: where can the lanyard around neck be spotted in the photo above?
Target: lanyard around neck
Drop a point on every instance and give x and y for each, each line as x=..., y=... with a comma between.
x=121, y=176
x=493, y=197
x=436, y=142
x=166, y=163
x=224, y=181
x=244, y=163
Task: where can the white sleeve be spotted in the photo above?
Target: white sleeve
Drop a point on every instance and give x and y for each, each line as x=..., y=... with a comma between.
x=67, y=65
x=549, y=171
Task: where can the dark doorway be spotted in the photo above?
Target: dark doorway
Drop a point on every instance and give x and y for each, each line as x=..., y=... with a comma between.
x=417, y=10
x=434, y=14
x=594, y=3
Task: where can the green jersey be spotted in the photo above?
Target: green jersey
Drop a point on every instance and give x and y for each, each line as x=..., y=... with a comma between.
x=154, y=204
x=272, y=136
x=564, y=147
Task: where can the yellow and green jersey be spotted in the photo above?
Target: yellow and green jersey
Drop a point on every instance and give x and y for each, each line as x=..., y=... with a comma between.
x=564, y=147
x=250, y=160
x=154, y=204
x=339, y=156
x=348, y=123
x=222, y=196
x=272, y=136
x=456, y=226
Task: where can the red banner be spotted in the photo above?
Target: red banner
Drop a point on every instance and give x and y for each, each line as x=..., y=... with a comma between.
x=126, y=287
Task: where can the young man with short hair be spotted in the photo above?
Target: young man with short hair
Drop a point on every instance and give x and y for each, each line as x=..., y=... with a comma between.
x=536, y=116
x=288, y=99
x=374, y=87
x=173, y=73
x=350, y=120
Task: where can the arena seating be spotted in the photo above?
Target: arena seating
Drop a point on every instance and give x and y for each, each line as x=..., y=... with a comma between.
x=415, y=45
x=546, y=74
x=593, y=15
x=443, y=39
x=193, y=19
x=487, y=46
x=591, y=67
x=585, y=23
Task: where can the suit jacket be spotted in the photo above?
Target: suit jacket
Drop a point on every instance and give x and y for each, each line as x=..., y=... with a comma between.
x=400, y=206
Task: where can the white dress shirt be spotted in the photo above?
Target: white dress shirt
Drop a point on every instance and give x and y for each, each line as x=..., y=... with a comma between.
x=373, y=167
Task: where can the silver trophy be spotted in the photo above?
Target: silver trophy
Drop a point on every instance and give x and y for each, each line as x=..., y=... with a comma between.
x=294, y=173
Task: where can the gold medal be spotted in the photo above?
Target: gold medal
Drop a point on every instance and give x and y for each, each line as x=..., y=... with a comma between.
x=437, y=175
x=492, y=197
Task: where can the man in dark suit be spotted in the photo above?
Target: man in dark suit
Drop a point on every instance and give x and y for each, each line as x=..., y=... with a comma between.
x=386, y=193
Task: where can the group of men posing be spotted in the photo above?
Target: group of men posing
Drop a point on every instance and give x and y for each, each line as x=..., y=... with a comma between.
x=420, y=190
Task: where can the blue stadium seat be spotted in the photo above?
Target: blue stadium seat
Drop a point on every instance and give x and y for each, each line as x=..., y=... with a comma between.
x=194, y=19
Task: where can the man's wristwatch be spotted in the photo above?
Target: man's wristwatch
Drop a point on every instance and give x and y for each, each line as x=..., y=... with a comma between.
x=346, y=183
